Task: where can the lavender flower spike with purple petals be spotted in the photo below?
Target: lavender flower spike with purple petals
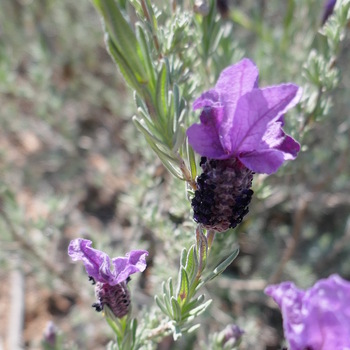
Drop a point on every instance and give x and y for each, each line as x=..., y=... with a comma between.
x=240, y=120
x=318, y=318
x=111, y=276
x=240, y=133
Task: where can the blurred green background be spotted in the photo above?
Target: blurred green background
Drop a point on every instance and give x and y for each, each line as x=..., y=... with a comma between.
x=72, y=164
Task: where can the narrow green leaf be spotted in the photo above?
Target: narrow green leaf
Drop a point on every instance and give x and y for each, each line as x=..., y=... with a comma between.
x=152, y=15
x=202, y=249
x=123, y=65
x=183, y=257
x=191, y=160
x=145, y=132
x=176, y=309
x=167, y=303
x=134, y=328
x=191, y=264
x=222, y=267
x=179, y=138
x=201, y=308
x=183, y=287
x=186, y=309
x=122, y=36
x=167, y=296
x=162, y=95
x=193, y=328
x=167, y=160
x=146, y=57
x=177, y=110
x=170, y=287
x=111, y=320
x=171, y=114
x=161, y=305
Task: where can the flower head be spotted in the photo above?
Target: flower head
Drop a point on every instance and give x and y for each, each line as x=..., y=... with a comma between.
x=50, y=335
x=111, y=276
x=240, y=132
x=232, y=335
x=318, y=318
x=98, y=264
x=240, y=120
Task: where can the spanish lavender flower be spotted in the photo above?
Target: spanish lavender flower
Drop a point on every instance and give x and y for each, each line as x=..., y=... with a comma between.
x=50, y=335
x=232, y=336
x=318, y=318
x=240, y=133
x=328, y=9
x=110, y=283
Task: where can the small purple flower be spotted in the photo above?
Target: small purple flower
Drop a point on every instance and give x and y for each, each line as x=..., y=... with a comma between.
x=240, y=133
x=111, y=276
x=232, y=335
x=50, y=335
x=318, y=318
x=240, y=120
x=328, y=9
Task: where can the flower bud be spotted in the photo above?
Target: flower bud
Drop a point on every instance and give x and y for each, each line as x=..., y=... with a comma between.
x=50, y=335
x=232, y=336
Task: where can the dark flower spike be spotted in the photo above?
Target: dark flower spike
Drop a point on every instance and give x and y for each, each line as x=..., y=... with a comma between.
x=317, y=318
x=111, y=277
x=240, y=132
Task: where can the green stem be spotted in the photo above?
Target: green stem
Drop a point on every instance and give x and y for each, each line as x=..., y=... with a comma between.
x=210, y=238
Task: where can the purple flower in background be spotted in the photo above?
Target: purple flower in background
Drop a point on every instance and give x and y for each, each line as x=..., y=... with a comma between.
x=318, y=318
x=111, y=276
x=240, y=132
x=328, y=10
x=50, y=335
x=232, y=336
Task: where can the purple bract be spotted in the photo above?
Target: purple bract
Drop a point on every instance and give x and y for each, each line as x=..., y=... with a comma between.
x=98, y=264
x=318, y=318
x=240, y=120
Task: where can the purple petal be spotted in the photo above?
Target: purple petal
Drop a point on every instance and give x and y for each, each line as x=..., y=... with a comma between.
x=289, y=298
x=256, y=111
x=328, y=9
x=204, y=138
x=207, y=99
x=265, y=161
x=97, y=263
x=289, y=147
x=234, y=82
x=274, y=148
x=318, y=318
x=135, y=261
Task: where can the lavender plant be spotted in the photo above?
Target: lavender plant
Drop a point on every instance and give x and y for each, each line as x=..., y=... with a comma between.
x=240, y=133
x=178, y=58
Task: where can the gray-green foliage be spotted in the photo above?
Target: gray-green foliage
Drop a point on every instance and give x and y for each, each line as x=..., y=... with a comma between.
x=165, y=44
x=168, y=56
